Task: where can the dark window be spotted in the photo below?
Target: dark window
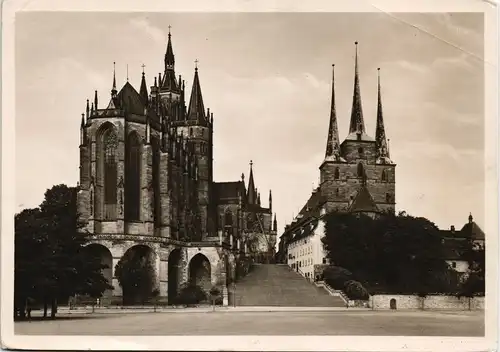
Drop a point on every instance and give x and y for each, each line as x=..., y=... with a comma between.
x=361, y=150
x=133, y=177
x=324, y=260
x=453, y=265
x=384, y=175
x=361, y=170
x=156, y=181
x=191, y=131
x=337, y=173
x=387, y=198
x=110, y=142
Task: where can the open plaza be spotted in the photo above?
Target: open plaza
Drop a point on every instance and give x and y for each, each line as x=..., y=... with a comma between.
x=235, y=321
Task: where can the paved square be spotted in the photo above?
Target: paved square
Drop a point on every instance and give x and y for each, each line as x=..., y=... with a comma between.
x=377, y=323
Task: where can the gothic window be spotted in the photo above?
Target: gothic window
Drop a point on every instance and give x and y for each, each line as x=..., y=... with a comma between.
x=387, y=198
x=228, y=219
x=156, y=180
x=361, y=151
x=337, y=173
x=384, y=175
x=337, y=191
x=191, y=131
x=133, y=177
x=360, y=170
x=110, y=143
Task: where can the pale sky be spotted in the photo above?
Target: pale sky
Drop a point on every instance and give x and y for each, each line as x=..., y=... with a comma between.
x=266, y=77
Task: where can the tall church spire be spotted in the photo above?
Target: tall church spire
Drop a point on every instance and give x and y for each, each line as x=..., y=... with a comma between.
x=196, y=110
x=113, y=90
x=143, y=91
x=251, y=196
x=381, y=146
x=332, y=144
x=169, y=55
x=357, y=124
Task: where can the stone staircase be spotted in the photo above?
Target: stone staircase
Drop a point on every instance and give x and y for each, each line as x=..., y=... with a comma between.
x=271, y=285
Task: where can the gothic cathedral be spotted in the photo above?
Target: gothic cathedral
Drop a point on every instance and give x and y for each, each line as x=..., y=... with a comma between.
x=146, y=187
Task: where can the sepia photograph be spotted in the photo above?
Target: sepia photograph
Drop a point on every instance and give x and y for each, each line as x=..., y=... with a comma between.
x=257, y=174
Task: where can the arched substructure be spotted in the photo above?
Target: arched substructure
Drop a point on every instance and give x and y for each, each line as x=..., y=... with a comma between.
x=106, y=173
x=200, y=272
x=103, y=254
x=174, y=274
x=136, y=274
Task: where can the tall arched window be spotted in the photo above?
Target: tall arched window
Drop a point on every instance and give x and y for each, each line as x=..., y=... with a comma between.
x=156, y=181
x=384, y=175
x=337, y=173
x=110, y=144
x=132, y=177
x=360, y=170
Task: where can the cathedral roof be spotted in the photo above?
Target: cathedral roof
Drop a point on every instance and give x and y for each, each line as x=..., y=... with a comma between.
x=130, y=100
x=364, y=137
x=363, y=202
x=196, y=110
x=225, y=190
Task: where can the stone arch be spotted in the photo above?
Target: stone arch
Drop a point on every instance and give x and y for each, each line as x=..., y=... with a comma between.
x=200, y=271
x=133, y=159
x=106, y=171
x=174, y=274
x=136, y=273
x=393, y=303
x=360, y=170
x=105, y=257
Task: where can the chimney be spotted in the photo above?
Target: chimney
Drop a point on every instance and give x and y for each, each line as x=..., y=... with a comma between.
x=452, y=228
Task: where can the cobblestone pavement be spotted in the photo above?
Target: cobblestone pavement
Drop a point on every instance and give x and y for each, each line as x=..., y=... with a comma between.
x=377, y=323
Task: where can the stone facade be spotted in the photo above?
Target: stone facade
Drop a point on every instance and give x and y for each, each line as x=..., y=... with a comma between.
x=146, y=181
x=431, y=302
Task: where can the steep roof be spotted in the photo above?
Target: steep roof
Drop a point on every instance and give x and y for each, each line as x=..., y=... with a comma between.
x=473, y=231
x=363, y=202
x=228, y=190
x=130, y=100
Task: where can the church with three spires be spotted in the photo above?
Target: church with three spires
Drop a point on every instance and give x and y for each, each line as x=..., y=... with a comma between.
x=357, y=175
x=146, y=187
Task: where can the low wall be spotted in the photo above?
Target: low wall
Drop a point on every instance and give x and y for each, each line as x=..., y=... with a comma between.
x=432, y=302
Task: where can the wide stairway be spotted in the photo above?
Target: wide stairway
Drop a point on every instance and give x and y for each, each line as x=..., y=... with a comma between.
x=278, y=285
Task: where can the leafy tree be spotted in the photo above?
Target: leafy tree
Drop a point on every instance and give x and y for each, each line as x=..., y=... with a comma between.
x=355, y=290
x=474, y=283
x=190, y=294
x=336, y=276
x=135, y=273
x=396, y=253
x=51, y=263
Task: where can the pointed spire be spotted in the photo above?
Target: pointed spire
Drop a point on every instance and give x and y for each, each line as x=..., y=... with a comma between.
x=381, y=145
x=83, y=121
x=143, y=91
x=270, y=201
x=470, y=218
x=332, y=144
x=95, y=101
x=357, y=124
x=196, y=110
x=251, y=196
x=169, y=55
x=87, y=110
x=258, y=198
x=275, y=224
x=113, y=90
x=92, y=110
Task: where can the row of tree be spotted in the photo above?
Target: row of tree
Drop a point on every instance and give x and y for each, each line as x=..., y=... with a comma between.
x=51, y=263
x=397, y=254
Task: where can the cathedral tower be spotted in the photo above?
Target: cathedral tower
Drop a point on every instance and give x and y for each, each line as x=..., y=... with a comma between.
x=358, y=174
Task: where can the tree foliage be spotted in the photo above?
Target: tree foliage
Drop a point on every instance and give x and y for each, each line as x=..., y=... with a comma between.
x=50, y=261
x=474, y=283
x=391, y=253
x=135, y=273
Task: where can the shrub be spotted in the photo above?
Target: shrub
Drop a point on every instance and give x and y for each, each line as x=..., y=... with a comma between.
x=191, y=295
x=355, y=290
x=336, y=276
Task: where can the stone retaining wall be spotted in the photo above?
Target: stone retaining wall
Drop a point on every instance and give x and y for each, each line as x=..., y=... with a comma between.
x=432, y=302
